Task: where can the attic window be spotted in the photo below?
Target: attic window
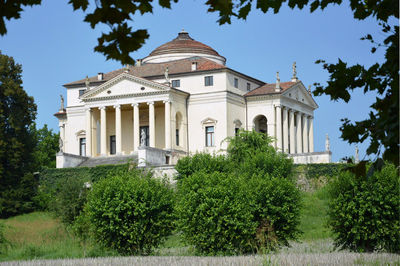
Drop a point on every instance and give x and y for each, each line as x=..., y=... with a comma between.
x=142, y=88
x=109, y=92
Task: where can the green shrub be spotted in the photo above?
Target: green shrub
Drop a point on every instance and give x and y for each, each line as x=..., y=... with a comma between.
x=63, y=191
x=70, y=199
x=129, y=213
x=364, y=211
x=223, y=213
x=201, y=162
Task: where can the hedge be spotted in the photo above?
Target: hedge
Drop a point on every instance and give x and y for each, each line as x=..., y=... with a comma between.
x=63, y=192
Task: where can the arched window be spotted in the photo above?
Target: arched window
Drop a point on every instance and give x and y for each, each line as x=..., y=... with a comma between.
x=261, y=124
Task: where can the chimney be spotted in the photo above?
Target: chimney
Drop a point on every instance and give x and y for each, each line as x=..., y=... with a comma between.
x=100, y=76
x=278, y=83
x=194, y=66
x=138, y=62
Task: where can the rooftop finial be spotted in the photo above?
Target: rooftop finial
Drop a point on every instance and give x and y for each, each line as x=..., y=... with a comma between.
x=327, y=144
x=166, y=75
x=357, y=157
x=62, y=103
x=278, y=82
x=294, y=78
x=87, y=83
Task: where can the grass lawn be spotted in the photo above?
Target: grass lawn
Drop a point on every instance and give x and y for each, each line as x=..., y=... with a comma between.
x=314, y=216
x=39, y=235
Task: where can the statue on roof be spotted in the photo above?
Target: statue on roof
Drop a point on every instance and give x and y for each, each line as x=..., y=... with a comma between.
x=357, y=157
x=87, y=83
x=278, y=82
x=294, y=68
x=62, y=103
x=166, y=75
x=327, y=144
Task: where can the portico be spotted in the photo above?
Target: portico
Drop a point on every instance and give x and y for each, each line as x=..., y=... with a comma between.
x=120, y=124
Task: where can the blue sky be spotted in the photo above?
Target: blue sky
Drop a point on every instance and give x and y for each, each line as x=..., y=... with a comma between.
x=55, y=47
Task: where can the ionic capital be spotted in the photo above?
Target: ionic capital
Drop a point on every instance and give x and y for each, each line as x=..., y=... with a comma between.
x=102, y=108
x=134, y=104
x=150, y=103
x=117, y=106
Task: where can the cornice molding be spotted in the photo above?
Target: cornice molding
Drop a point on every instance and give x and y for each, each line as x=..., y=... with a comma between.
x=120, y=77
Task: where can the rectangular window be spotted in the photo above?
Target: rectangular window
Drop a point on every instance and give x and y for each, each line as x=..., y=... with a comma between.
x=176, y=83
x=248, y=86
x=81, y=92
x=177, y=137
x=236, y=131
x=208, y=81
x=82, y=146
x=112, y=145
x=236, y=83
x=210, y=136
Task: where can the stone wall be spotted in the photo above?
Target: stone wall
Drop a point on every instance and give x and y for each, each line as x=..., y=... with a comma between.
x=313, y=157
x=66, y=160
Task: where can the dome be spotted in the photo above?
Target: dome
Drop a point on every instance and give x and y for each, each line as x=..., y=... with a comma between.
x=183, y=47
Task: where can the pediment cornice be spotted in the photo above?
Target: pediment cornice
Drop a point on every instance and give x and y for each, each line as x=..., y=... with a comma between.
x=300, y=86
x=89, y=95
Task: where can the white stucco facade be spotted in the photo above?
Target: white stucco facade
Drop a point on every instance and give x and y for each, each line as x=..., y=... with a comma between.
x=182, y=103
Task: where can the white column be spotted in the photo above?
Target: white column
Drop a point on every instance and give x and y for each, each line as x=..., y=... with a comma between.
x=311, y=133
x=103, y=128
x=271, y=126
x=152, y=131
x=136, y=133
x=292, y=132
x=305, y=134
x=285, y=130
x=298, y=133
x=118, y=129
x=88, y=132
x=278, y=128
x=167, y=124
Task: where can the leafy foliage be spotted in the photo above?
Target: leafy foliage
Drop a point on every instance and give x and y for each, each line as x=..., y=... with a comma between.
x=313, y=171
x=17, y=141
x=130, y=213
x=223, y=213
x=62, y=190
x=201, y=162
x=46, y=148
x=382, y=124
x=242, y=203
x=364, y=212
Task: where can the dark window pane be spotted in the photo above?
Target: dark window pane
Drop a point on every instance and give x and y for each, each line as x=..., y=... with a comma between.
x=208, y=81
x=176, y=83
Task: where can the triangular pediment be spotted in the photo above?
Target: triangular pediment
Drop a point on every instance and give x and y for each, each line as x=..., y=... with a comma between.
x=124, y=84
x=299, y=93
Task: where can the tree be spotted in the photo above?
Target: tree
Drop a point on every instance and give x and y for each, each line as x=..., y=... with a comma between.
x=382, y=125
x=17, y=141
x=46, y=148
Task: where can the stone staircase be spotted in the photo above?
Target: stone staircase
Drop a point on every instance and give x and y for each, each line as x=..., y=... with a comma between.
x=117, y=159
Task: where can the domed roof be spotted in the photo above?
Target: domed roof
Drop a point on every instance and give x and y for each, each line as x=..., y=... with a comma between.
x=183, y=44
